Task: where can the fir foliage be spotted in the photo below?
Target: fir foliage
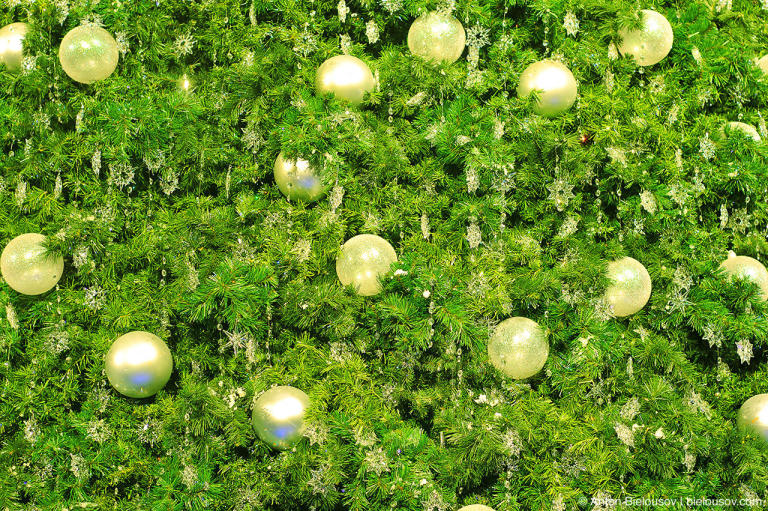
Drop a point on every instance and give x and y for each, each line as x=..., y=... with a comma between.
x=163, y=204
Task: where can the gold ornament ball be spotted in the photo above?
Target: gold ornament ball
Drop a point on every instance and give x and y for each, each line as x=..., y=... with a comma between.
x=476, y=507
x=747, y=129
x=88, y=53
x=278, y=416
x=27, y=268
x=631, y=287
x=437, y=37
x=518, y=348
x=362, y=260
x=554, y=83
x=298, y=180
x=753, y=415
x=650, y=44
x=345, y=76
x=762, y=63
x=12, y=45
x=139, y=364
x=745, y=267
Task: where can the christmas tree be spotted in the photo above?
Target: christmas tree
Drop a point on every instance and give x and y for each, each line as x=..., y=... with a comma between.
x=156, y=182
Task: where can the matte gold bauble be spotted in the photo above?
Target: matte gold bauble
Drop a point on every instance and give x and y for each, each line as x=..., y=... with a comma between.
x=27, y=268
x=650, y=44
x=139, y=364
x=298, y=180
x=744, y=267
x=753, y=415
x=437, y=37
x=518, y=348
x=746, y=129
x=88, y=53
x=362, y=260
x=278, y=416
x=476, y=507
x=554, y=83
x=12, y=45
x=631, y=286
x=345, y=76
x=762, y=63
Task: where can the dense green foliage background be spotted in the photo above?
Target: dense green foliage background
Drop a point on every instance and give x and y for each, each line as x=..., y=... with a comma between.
x=162, y=201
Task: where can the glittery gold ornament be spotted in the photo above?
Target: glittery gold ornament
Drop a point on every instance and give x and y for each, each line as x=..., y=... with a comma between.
x=554, y=83
x=362, y=260
x=476, y=507
x=138, y=364
x=298, y=180
x=753, y=415
x=12, y=45
x=631, y=286
x=650, y=44
x=88, y=53
x=437, y=37
x=518, y=348
x=345, y=76
x=744, y=267
x=746, y=129
x=27, y=268
x=278, y=416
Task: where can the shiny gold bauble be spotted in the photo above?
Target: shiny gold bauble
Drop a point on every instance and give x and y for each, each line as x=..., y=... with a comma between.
x=437, y=37
x=747, y=129
x=650, y=44
x=88, y=53
x=298, y=180
x=554, y=83
x=139, y=364
x=631, y=286
x=278, y=416
x=12, y=45
x=476, y=507
x=518, y=347
x=346, y=77
x=744, y=267
x=753, y=415
x=362, y=260
x=27, y=268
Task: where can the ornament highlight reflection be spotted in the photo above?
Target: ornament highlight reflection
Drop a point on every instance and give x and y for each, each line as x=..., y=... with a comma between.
x=185, y=83
x=136, y=355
